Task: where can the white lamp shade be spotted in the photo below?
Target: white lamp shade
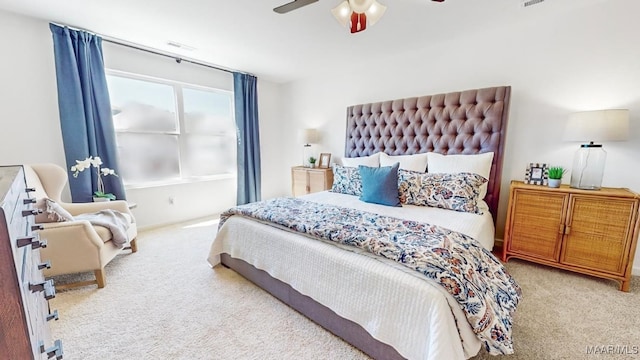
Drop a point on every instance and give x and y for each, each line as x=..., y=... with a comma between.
x=360, y=6
x=375, y=12
x=342, y=13
x=599, y=125
x=310, y=136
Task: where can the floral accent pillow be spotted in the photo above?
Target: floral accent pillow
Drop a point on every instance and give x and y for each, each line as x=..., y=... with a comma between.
x=457, y=191
x=346, y=180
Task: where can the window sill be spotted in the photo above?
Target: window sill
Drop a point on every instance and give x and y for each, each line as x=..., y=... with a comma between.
x=195, y=179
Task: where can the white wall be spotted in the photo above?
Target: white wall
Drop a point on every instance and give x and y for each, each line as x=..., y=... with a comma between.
x=556, y=63
x=31, y=128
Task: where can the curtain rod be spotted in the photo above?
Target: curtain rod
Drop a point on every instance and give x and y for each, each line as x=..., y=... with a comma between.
x=176, y=57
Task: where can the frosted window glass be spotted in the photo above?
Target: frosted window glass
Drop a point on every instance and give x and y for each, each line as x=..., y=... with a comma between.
x=168, y=131
x=142, y=105
x=148, y=157
x=207, y=112
x=204, y=155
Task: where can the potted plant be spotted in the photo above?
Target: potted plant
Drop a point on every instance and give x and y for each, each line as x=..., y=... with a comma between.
x=312, y=162
x=555, y=176
x=96, y=162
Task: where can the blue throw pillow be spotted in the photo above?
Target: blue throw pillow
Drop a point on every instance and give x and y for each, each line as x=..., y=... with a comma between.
x=380, y=184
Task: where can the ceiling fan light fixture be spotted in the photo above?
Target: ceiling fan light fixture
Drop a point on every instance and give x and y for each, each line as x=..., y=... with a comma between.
x=358, y=22
x=375, y=12
x=355, y=14
x=342, y=13
x=360, y=6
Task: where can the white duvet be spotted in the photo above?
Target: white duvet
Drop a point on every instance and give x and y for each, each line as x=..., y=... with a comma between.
x=396, y=305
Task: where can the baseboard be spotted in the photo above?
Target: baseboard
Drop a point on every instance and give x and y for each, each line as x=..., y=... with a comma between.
x=179, y=223
x=635, y=271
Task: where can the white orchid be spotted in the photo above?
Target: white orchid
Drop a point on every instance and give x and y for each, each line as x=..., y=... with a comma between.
x=107, y=171
x=80, y=166
x=96, y=162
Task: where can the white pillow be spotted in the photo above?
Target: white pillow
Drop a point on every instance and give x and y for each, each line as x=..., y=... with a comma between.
x=371, y=160
x=477, y=163
x=416, y=162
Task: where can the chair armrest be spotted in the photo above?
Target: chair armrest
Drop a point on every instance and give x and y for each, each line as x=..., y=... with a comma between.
x=70, y=232
x=91, y=207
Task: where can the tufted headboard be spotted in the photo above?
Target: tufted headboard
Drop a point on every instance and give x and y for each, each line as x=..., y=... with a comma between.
x=465, y=122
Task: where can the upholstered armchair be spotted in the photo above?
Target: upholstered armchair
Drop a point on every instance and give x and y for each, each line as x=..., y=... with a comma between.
x=74, y=246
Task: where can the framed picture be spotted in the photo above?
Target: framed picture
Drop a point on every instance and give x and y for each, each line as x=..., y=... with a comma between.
x=536, y=174
x=325, y=159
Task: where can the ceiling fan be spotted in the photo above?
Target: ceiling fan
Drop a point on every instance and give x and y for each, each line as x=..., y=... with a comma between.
x=354, y=13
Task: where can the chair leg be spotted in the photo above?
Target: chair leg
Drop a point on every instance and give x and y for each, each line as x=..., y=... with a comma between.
x=133, y=244
x=100, y=278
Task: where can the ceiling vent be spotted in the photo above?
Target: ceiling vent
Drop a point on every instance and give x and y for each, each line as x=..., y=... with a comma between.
x=526, y=3
x=180, y=46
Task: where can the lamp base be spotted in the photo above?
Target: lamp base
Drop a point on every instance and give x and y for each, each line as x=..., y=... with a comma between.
x=588, y=167
x=305, y=155
x=586, y=187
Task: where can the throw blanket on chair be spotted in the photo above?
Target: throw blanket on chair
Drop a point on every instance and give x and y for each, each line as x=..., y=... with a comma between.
x=113, y=220
x=487, y=294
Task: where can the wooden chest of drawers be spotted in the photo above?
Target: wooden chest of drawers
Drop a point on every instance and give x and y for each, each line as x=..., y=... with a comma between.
x=309, y=180
x=24, y=293
x=592, y=232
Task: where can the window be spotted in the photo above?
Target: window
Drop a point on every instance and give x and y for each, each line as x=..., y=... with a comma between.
x=169, y=131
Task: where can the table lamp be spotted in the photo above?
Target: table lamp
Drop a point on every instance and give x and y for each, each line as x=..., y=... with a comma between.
x=309, y=136
x=600, y=125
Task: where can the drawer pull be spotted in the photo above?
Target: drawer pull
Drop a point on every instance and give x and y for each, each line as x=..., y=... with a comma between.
x=24, y=241
x=37, y=227
x=29, y=189
x=29, y=201
x=46, y=286
x=53, y=315
x=31, y=212
x=29, y=240
x=39, y=244
x=54, y=351
x=44, y=265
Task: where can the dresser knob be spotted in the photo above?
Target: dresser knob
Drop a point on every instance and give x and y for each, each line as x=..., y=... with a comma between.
x=29, y=201
x=39, y=244
x=24, y=241
x=53, y=315
x=44, y=265
x=46, y=286
x=31, y=212
x=54, y=351
x=29, y=240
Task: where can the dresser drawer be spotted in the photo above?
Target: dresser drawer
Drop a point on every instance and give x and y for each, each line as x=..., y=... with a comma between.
x=23, y=289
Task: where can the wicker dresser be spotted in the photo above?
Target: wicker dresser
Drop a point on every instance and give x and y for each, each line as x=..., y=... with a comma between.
x=592, y=232
x=24, y=294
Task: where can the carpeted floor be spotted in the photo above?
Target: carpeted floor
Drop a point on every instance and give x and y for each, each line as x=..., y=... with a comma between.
x=165, y=302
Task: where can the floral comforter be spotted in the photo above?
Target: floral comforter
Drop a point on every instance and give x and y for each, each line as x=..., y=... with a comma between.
x=487, y=294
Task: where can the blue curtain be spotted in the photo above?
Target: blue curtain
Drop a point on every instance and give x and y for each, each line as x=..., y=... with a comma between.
x=246, y=103
x=85, y=110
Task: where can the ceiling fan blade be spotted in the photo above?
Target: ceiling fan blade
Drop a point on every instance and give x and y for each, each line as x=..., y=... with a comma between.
x=293, y=5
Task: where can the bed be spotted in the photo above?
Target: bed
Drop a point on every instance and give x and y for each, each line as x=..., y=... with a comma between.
x=383, y=308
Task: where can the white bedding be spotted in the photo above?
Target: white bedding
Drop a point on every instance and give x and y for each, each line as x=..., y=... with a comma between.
x=393, y=303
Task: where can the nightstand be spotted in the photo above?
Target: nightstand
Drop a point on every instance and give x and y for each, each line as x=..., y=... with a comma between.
x=592, y=232
x=306, y=180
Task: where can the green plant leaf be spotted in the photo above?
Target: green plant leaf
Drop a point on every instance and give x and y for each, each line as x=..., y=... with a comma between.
x=556, y=172
x=101, y=194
